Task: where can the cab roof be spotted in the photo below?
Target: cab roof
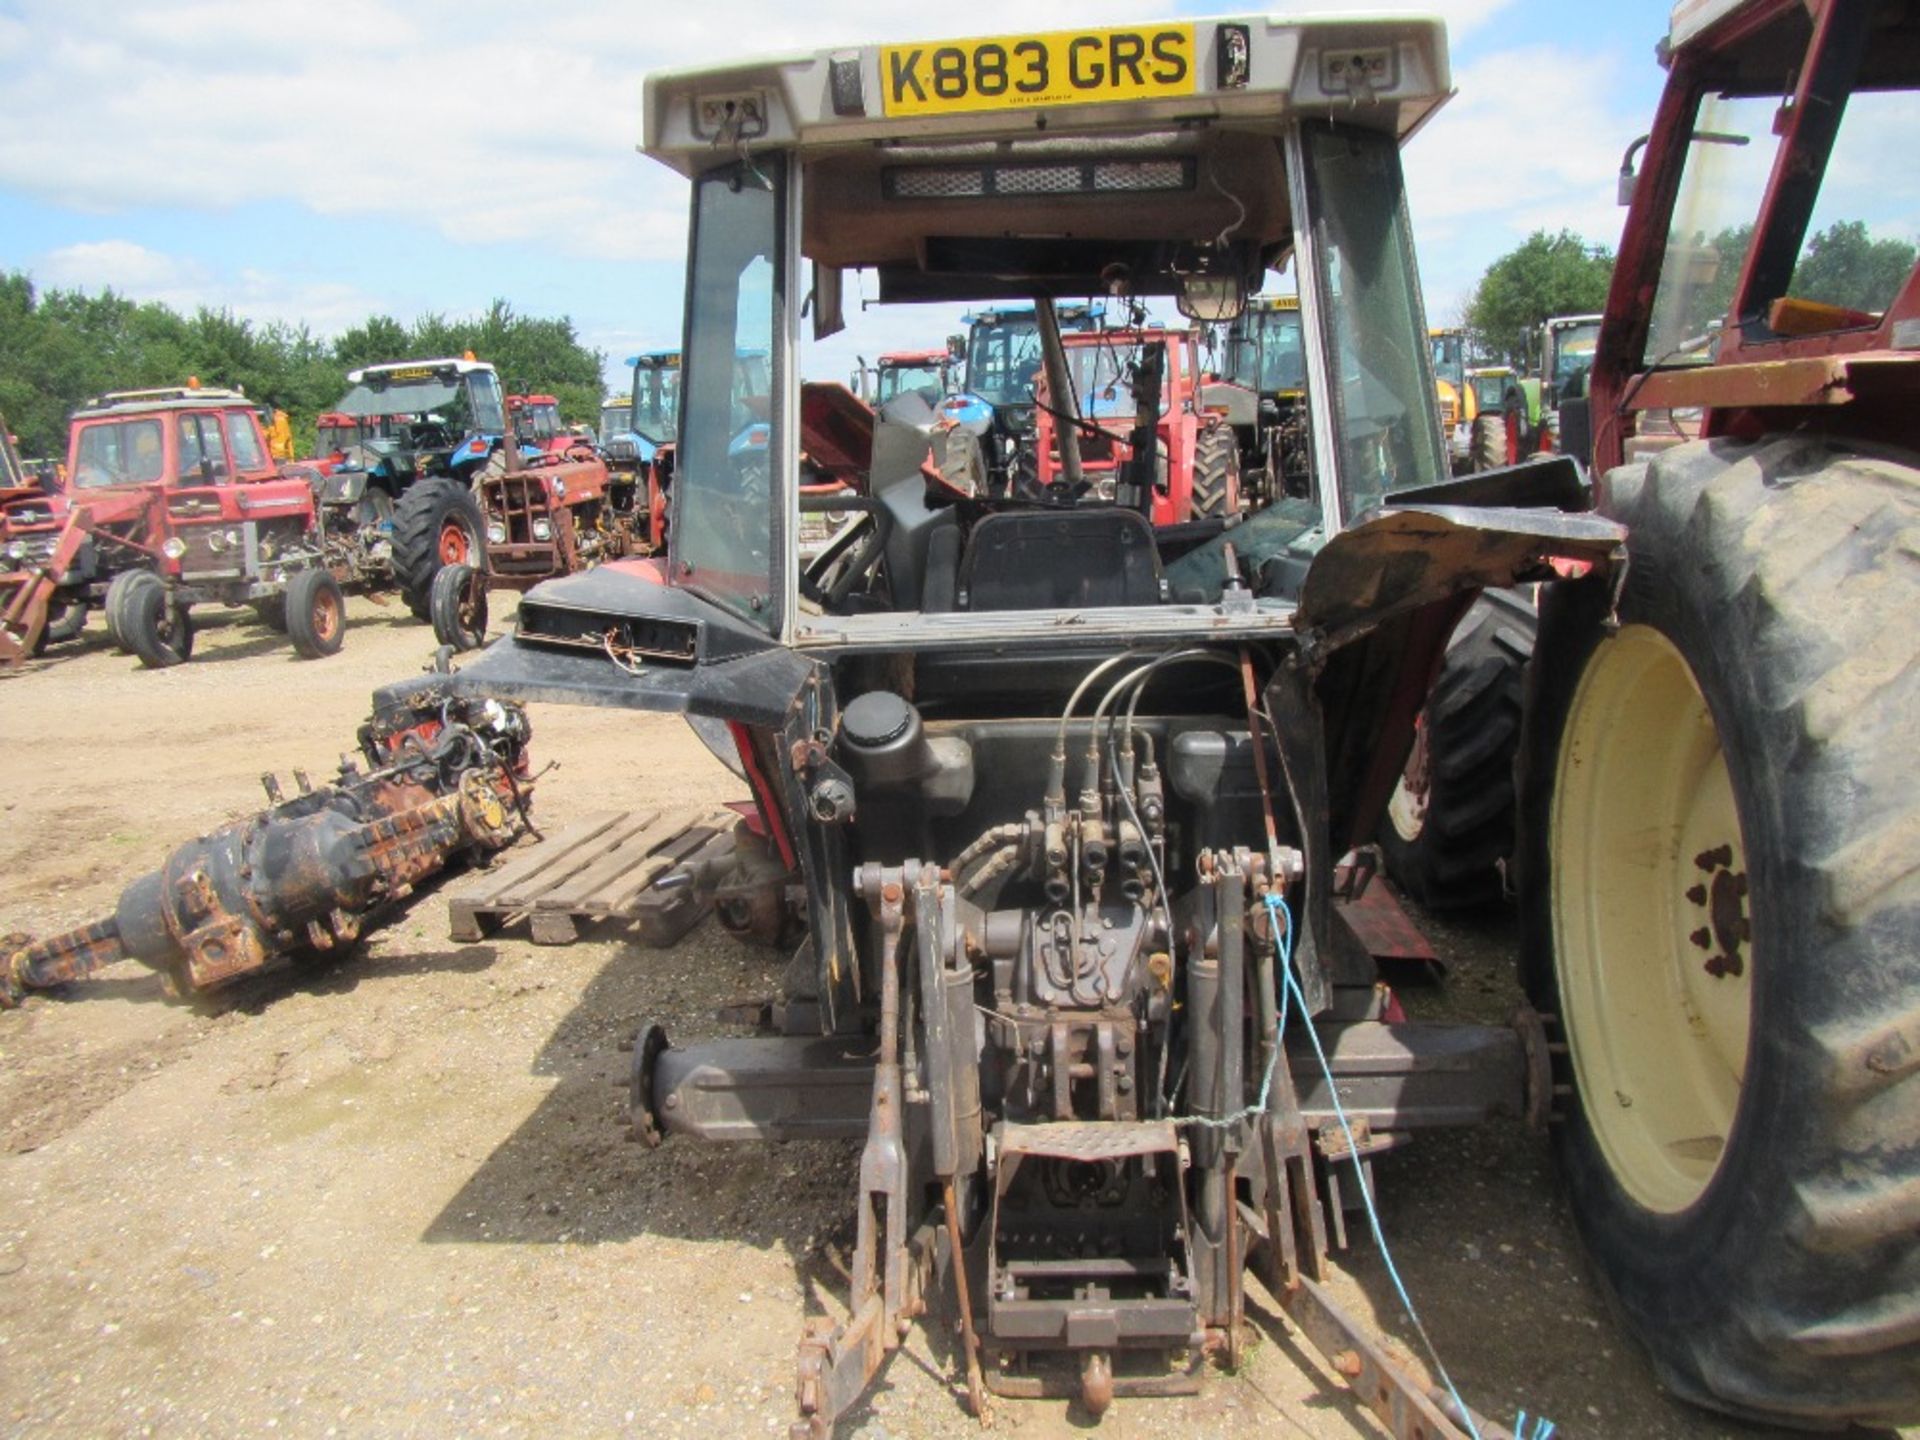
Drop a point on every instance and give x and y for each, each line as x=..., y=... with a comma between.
x=1383, y=72
x=165, y=397
x=458, y=367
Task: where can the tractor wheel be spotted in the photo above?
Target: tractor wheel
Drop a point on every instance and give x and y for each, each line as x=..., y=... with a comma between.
x=1487, y=442
x=316, y=612
x=1449, y=826
x=459, y=606
x=115, y=605
x=1216, y=474
x=1721, y=894
x=153, y=624
x=437, y=522
x=66, y=618
x=272, y=612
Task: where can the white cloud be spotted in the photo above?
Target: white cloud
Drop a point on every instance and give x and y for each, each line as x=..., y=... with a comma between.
x=1532, y=141
x=486, y=119
x=140, y=273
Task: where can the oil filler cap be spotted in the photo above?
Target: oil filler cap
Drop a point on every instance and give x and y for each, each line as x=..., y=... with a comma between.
x=876, y=719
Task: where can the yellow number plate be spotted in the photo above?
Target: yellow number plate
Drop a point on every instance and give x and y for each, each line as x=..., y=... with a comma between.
x=411, y=372
x=1062, y=68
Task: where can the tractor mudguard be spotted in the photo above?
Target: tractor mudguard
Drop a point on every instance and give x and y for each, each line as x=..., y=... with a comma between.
x=597, y=638
x=1378, y=604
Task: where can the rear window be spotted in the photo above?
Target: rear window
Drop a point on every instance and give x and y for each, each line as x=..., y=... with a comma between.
x=118, y=452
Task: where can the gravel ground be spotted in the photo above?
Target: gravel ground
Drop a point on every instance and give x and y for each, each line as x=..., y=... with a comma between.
x=393, y=1198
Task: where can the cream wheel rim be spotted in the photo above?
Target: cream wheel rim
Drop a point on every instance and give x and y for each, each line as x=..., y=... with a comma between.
x=1651, y=919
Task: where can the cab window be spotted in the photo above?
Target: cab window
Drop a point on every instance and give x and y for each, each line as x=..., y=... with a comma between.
x=244, y=442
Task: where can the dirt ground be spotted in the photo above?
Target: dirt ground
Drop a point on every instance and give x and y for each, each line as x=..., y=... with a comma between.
x=393, y=1198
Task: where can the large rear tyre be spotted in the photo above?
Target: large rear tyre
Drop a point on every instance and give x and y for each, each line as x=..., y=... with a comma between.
x=1216, y=474
x=316, y=614
x=153, y=624
x=459, y=607
x=1721, y=893
x=1487, y=442
x=437, y=522
x=1449, y=826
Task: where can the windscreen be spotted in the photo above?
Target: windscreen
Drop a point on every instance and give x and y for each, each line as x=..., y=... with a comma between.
x=1003, y=356
x=413, y=397
x=926, y=380
x=118, y=452
x=615, y=420
x=1102, y=374
x=656, y=401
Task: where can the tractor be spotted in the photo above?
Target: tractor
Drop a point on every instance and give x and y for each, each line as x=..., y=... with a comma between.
x=1134, y=392
x=1266, y=354
x=174, y=501
x=400, y=504
x=1459, y=401
x=1052, y=804
x=987, y=423
x=1559, y=357
x=547, y=513
x=616, y=419
x=927, y=374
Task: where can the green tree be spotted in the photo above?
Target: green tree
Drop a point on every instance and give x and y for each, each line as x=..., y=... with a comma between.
x=61, y=347
x=1843, y=265
x=1545, y=275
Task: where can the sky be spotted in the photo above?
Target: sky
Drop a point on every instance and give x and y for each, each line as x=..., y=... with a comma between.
x=317, y=163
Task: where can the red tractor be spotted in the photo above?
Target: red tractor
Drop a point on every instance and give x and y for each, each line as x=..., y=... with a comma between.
x=173, y=501
x=1135, y=389
x=1719, y=803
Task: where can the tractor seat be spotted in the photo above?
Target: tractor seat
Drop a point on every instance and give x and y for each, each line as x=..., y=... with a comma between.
x=1060, y=560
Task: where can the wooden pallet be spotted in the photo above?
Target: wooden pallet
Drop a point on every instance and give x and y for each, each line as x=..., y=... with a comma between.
x=636, y=866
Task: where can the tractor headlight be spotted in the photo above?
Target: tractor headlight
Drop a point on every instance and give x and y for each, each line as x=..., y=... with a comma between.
x=496, y=533
x=543, y=530
x=173, y=547
x=17, y=550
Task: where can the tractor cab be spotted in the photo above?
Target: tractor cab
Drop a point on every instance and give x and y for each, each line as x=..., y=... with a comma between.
x=537, y=424
x=925, y=373
x=616, y=419
x=422, y=417
x=1046, y=790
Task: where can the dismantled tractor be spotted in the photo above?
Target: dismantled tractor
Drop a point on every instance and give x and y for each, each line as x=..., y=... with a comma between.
x=1061, y=796
x=547, y=513
x=173, y=501
x=299, y=881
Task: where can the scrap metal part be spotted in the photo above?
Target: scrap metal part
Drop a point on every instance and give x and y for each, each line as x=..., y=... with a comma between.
x=299, y=879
